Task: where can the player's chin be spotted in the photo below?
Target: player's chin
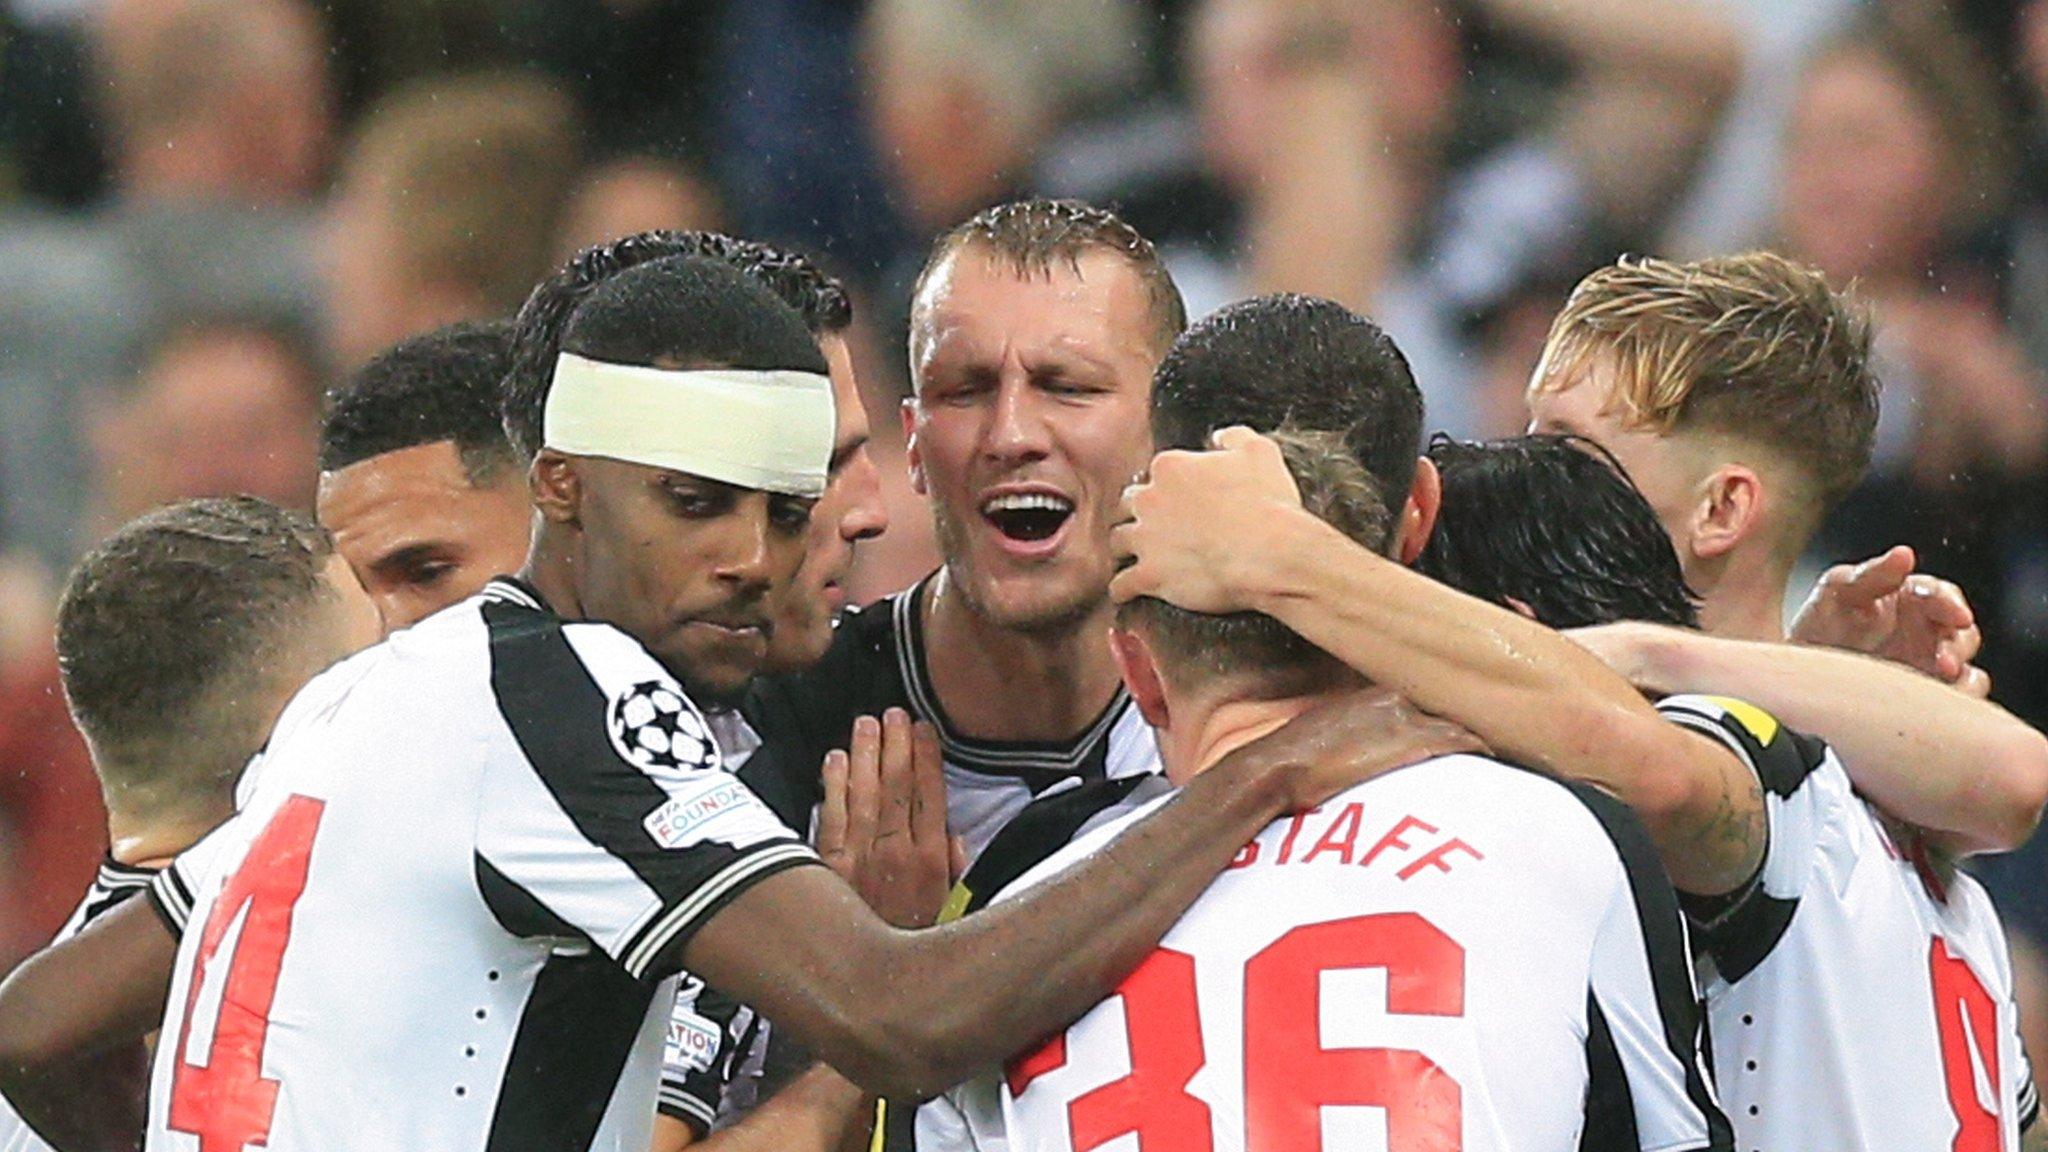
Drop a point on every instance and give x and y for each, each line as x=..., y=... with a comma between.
x=1042, y=597
x=717, y=663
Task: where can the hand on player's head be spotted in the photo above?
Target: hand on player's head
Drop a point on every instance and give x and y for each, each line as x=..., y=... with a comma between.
x=1188, y=532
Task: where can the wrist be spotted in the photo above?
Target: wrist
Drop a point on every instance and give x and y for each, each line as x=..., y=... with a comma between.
x=1281, y=563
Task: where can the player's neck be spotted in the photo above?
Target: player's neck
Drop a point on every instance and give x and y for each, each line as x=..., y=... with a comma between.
x=1198, y=742
x=151, y=843
x=550, y=570
x=998, y=683
x=1746, y=602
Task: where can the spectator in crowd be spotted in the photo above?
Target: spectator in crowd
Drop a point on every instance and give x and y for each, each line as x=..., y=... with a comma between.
x=633, y=193
x=217, y=119
x=447, y=207
x=964, y=95
x=1326, y=133
x=246, y=384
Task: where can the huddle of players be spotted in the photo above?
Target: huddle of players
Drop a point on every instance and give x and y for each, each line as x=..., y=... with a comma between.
x=1530, y=913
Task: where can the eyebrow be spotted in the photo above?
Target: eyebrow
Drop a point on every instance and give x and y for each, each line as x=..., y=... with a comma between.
x=841, y=455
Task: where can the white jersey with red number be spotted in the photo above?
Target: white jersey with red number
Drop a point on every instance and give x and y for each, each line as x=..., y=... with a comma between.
x=1458, y=955
x=1858, y=998
x=451, y=910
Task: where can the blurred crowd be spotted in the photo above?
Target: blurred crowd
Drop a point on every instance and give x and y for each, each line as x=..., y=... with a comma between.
x=210, y=209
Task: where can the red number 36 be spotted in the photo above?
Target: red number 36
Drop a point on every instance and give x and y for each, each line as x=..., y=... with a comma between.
x=1289, y=1075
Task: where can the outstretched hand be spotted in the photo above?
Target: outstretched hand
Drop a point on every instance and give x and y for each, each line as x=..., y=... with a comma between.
x=1190, y=532
x=882, y=826
x=1884, y=608
x=1348, y=740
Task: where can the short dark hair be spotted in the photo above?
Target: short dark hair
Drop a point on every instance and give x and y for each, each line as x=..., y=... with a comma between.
x=1265, y=653
x=167, y=629
x=822, y=300
x=1293, y=361
x=689, y=312
x=440, y=386
x=1554, y=523
x=1032, y=235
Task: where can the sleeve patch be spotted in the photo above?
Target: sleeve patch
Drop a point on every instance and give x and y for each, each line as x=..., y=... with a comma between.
x=1760, y=724
x=692, y=1042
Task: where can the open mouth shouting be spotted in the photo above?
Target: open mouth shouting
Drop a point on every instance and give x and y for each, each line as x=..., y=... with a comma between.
x=1028, y=521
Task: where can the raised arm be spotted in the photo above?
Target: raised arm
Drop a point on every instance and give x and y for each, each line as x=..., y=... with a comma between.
x=1224, y=531
x=1964, y=769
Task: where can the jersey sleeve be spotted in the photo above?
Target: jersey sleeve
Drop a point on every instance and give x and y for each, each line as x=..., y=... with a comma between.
x=697, y=1057
x=1648, y=1085
x=1739, y=930
x=616, y=820
x=171, y=890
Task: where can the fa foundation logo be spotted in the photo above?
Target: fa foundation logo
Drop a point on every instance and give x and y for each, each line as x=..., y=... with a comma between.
x=655, y=728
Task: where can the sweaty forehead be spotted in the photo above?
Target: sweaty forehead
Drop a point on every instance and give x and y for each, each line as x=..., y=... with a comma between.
x=390, y=498
x=978, y=307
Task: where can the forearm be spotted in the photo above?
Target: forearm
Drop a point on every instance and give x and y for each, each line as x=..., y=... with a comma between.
x=818, y=1110
x=71, y=1020
x=910, y=1013
x=1529, y=692
x=1524, y=689
x=1964, y=769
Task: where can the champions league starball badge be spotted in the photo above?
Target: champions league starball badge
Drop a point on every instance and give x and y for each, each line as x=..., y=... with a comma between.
x=655, y=728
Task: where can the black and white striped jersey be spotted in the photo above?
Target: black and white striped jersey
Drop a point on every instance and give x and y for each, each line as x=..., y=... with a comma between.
x=115, y=884
x=877, y=662
x=1859, y=996
x=451, y=910
x=1460, y=954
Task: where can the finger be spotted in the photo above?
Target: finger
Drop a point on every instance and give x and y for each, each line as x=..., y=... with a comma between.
x=1974, y=682
x=832, y=813
x=895, y=778
x=1965, y=645
x=1940, y=602
x=1878, y=576
x=1234, y=438
x=928, y=778
x=863, y=783
x=1123, y=541
x=1134, y=581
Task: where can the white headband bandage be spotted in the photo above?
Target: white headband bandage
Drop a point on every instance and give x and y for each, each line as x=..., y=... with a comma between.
x=765, y=430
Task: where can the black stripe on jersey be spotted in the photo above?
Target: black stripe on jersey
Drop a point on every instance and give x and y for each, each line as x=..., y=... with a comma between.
x=1045, y=826
x=574, y=1035
x=2029, y=1102
x=556, y=713
x=517, y=910
x=1740, y=933
x=1039, y=763
x=1663, y=928
x=171, y=899
x=1610, y=1106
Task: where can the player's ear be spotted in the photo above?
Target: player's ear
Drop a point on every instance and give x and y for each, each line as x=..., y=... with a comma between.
x=913, y=456
x=1141, y=674
x=1418, y=514
x=557, y=487
x=1729, y=511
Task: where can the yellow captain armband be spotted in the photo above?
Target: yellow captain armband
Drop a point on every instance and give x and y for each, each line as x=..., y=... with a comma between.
x=956, y=903
x=1761, y=724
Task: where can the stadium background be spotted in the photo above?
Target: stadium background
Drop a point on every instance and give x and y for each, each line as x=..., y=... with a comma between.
x=212, y=209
